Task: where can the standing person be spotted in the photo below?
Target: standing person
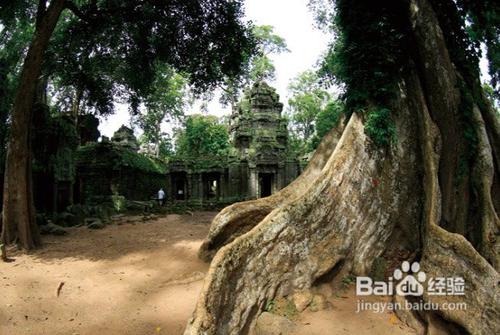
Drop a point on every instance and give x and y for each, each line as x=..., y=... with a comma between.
x=161, y=197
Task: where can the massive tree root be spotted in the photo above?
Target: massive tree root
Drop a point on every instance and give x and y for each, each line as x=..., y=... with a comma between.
x=366, y=200
x=239, y=218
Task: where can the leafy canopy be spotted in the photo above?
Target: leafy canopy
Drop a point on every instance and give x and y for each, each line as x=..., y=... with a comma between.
x=372, y=45
x=258, y=66
x=166, y=102
x=110, y=49
x=203, y=136
x=307, y=99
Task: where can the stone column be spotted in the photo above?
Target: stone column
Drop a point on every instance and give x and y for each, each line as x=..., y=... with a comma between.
x=253, y=182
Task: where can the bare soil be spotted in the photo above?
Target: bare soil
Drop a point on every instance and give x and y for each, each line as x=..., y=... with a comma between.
x=134, y=277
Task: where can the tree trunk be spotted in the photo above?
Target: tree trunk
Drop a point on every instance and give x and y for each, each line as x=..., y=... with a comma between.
x=239, y=218
x=75, y=108
x=356, y=202
x=18, y=210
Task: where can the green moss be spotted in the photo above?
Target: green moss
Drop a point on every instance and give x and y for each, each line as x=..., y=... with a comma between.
x=378, y=269
x=116, y=157
x=141, y=162
x=283, y=307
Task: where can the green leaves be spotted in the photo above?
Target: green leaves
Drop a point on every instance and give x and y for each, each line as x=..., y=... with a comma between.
x=258, y=66
x=166, y=101
x=308, y=99
x=202, y=137
x=367, y=58
x=110, y=51
x=380, y=127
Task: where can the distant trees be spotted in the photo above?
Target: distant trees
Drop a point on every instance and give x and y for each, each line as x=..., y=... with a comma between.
x=202, y=136
x=312, y=111
x=166, y=102
x=258, y=66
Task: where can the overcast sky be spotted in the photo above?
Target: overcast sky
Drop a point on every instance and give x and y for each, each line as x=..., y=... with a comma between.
x=291, y=20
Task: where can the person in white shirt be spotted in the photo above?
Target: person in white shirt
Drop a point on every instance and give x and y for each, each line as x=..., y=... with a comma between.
x=161, y=197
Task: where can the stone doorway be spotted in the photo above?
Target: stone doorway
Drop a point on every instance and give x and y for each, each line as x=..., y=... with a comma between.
x=266, y=184
x=211, y=186
x=179, y=182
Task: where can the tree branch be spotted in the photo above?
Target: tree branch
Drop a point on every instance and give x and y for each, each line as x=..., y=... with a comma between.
x=42, y=8
x=75, y=10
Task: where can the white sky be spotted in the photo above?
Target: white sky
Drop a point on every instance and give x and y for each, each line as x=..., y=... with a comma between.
x=293, y=22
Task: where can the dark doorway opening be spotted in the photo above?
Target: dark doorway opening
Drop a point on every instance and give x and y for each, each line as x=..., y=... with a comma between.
x=211, y=189
x=266, y=184
x=179, y=180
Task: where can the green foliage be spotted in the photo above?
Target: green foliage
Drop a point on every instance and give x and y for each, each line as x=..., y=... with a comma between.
x=481, y=25
x=312, y=112
x=380, y=127
x=108, y=50
x=110, y=156
x=258, y=66
x=347, y=281
x=489, y=92
x=373, y=44
x=327, y=119
x=202, y=136
x=283, y=307
x=54, y=142
x=261, y=66
x=367, y=57
x=15, y=36
x=307, y=99
x=269, y=305
x=166, y=102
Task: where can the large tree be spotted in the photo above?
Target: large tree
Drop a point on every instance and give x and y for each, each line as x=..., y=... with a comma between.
x=166, y=102
x=203, y=136
x=258, y=66
x=415, y=170
x=308, y=99
x=206, y=39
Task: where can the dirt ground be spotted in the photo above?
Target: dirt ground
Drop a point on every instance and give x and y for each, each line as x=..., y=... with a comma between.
x=134, y=277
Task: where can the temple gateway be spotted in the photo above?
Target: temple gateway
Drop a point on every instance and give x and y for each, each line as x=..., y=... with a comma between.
x=258, y=164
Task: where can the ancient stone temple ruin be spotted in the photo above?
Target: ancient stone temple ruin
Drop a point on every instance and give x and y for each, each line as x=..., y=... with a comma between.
x=260, y=135
x=258, y=164
x=72, y=167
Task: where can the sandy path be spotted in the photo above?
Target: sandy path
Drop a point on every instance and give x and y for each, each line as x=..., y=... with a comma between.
x=124, y=279
x=137, y=279
x=343, y=319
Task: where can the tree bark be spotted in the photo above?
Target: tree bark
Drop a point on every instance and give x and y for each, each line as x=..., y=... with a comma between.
x=363, y=201
x=239, y=218
x=18, y=210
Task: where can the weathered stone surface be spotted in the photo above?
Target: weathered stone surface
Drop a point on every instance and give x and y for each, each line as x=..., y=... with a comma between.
x=140, y=206
x=94, y=223
x=52, y=229
x=125, y=137
x=319, y=303
x=302, y=299
x=272, y=324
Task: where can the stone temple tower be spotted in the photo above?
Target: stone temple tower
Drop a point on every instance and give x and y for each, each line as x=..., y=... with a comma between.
x=259, y=135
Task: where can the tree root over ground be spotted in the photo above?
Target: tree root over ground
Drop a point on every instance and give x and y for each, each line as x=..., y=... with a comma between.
x=239, y=218
x=356, y=202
